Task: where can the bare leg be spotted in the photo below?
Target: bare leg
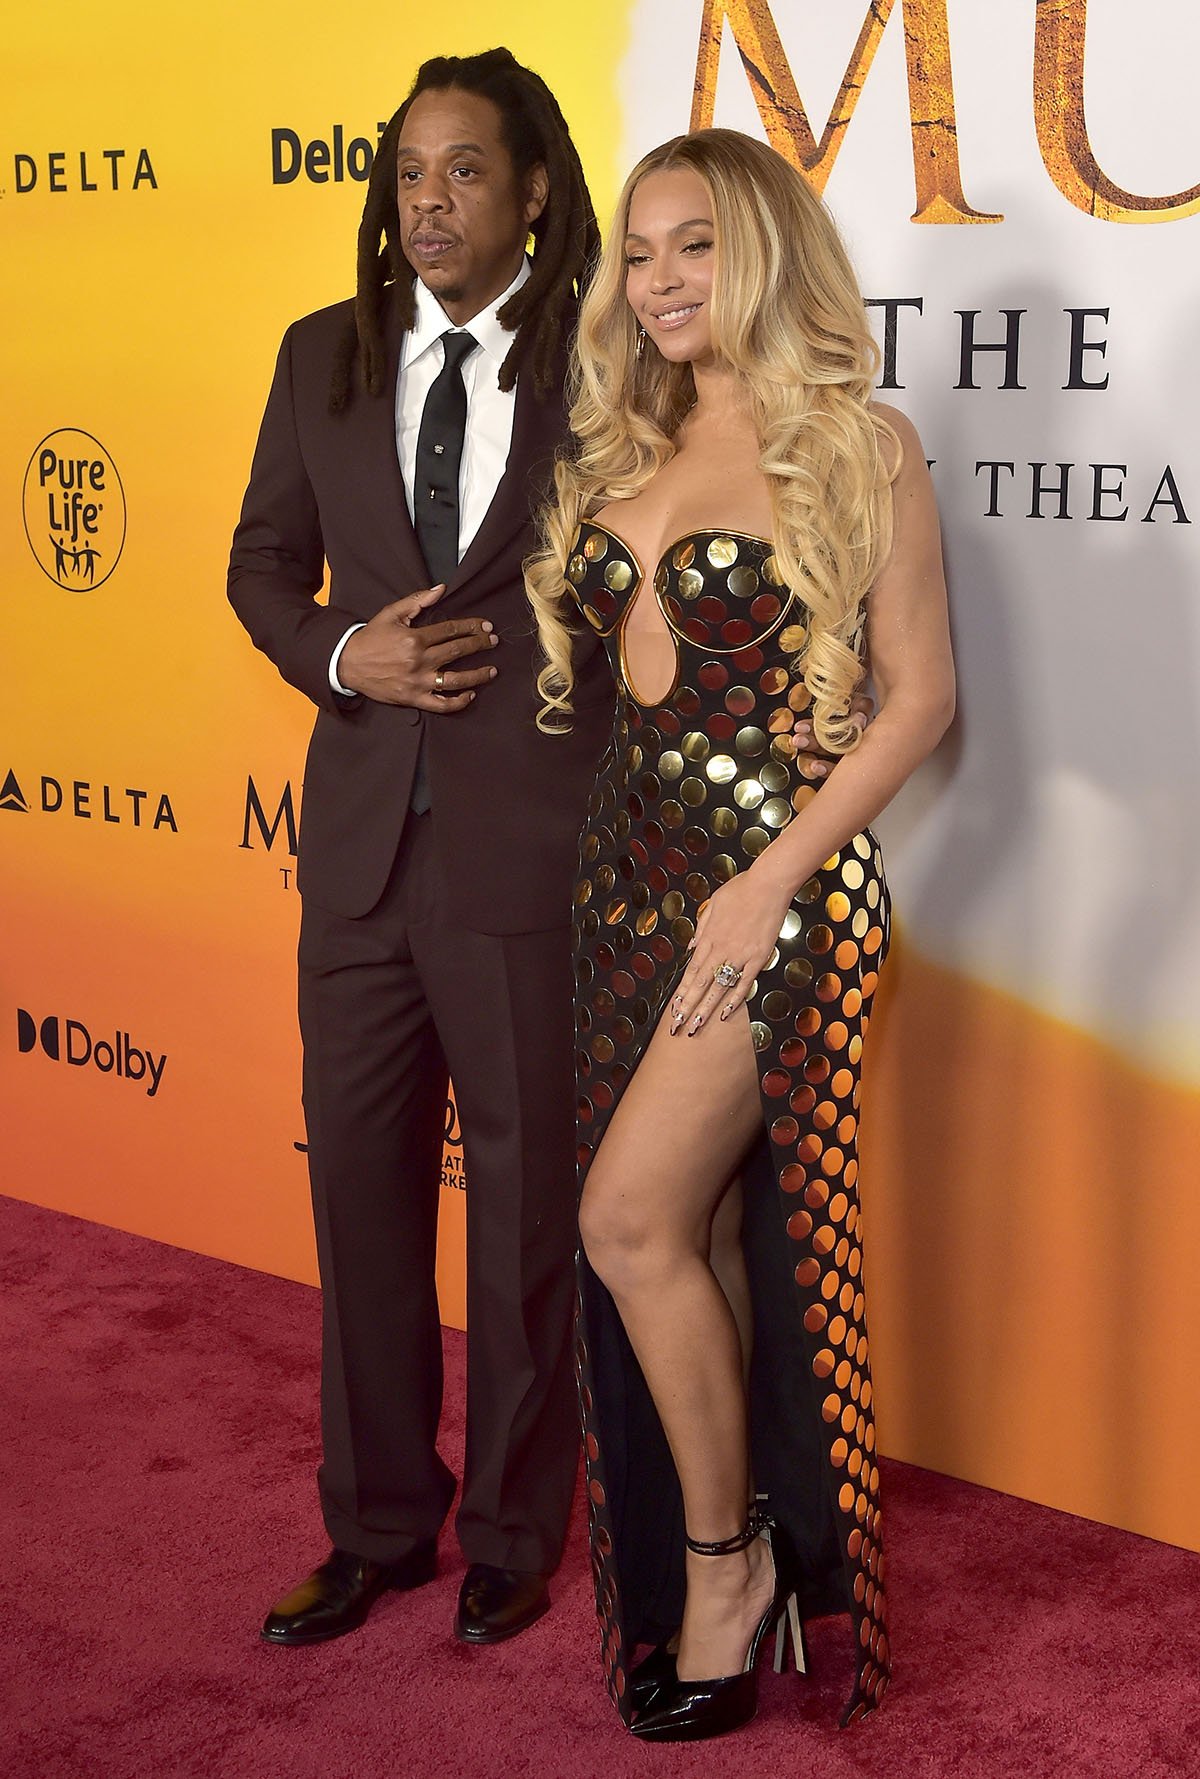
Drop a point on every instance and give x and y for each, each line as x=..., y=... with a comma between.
x=647, y=1222
x=728, y=1262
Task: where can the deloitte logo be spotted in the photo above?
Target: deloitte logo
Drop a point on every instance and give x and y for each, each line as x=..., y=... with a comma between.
x=70, y=1041
x=74, y=508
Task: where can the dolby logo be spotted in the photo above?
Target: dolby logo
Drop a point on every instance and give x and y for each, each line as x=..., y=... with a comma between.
x=69, y=1041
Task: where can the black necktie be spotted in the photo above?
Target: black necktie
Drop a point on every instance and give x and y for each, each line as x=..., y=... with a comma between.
x=439, y=458
x=435, y=488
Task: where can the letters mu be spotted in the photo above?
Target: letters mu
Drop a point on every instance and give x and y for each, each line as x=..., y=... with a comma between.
x=1058, y=92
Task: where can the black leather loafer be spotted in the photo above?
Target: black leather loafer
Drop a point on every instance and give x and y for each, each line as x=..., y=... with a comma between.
x=497, y=1603
x=337, y=1597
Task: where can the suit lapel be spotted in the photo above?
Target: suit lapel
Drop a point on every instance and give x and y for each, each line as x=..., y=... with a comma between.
x=379, y=417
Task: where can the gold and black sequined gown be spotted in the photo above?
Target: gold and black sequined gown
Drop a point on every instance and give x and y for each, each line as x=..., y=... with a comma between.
x=688, y=792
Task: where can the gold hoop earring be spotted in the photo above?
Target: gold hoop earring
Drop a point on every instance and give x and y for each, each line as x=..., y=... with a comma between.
x=641, y=341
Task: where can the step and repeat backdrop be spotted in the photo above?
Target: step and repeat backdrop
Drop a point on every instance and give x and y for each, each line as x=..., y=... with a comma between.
x=1017, y=185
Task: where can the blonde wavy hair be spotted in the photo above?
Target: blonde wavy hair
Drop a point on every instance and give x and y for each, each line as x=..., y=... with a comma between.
x=788, y=317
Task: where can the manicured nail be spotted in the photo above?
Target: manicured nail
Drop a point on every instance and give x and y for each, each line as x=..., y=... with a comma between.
x=491, y=673
x=493, y=640
x=695, y=1025
x=487, y=623
x=819, y=770
x=803, y=729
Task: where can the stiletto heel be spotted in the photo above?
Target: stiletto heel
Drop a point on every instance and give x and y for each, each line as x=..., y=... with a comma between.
x=789, y=1621
x=692, y=1710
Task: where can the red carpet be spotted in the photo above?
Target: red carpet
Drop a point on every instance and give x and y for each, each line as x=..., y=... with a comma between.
x=160, y=1435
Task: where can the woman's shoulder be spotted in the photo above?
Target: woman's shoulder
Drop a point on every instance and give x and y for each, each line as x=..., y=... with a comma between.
x=899, y=440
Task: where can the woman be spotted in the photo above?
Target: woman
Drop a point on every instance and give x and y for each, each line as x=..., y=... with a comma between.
x=740, y=523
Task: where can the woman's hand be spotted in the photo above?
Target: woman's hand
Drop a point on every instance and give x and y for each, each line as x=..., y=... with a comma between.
x=810, y=758
x=739, y=927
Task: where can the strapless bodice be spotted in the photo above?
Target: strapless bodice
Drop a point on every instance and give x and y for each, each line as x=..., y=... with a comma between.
x=718, y=591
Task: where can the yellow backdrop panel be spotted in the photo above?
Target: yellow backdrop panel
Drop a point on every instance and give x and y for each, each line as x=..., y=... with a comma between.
x=146, y=312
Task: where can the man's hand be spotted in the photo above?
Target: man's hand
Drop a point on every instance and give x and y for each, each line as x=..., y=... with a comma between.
x=394, y=662
x=810, y=758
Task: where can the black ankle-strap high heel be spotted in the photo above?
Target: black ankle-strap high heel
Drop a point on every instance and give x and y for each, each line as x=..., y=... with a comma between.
x=658, y=1668
x=692, y=1710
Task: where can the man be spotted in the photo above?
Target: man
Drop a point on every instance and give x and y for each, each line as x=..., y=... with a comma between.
x=407, y=441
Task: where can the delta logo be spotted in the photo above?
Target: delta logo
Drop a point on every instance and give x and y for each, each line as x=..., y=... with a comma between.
x=69, y=1041
x=86, y=800
x=74, y=509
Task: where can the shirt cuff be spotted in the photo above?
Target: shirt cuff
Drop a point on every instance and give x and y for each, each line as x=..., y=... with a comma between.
x=335, y=683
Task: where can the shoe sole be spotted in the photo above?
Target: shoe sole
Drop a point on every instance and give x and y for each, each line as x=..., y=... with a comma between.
x=485, y=1637
x=689, y=1733
x=308, y=1638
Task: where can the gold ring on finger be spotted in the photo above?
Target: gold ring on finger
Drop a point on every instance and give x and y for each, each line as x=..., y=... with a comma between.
x=439, y=680
x=728, y=975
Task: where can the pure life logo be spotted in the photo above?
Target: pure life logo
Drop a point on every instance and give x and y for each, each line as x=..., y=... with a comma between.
x=74, y=508
x=70, y=1041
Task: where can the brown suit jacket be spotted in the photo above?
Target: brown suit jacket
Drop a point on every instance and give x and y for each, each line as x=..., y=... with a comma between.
x=508, y=801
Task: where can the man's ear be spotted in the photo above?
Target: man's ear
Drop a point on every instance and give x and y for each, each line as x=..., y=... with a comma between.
x=537, y=191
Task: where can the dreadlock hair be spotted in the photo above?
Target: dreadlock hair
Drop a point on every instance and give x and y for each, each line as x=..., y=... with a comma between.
x=566, y=239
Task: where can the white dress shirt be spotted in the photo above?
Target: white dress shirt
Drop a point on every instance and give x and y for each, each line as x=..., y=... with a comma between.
x=490, y=412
